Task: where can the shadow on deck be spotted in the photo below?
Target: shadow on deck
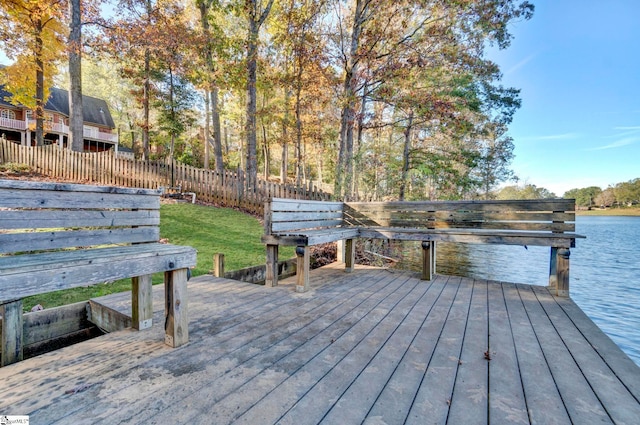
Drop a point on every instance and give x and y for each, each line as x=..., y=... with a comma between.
x=374, y=346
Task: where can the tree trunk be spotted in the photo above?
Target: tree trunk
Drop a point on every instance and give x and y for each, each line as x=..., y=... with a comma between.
x=76, y=118
x=217, y=133
x=40, y=101
x=344, y=169
x=252, y=64
x=405, y=157
x=145, y=104
x=207, y=133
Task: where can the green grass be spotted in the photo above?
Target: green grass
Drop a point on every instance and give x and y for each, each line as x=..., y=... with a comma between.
x=208, y=229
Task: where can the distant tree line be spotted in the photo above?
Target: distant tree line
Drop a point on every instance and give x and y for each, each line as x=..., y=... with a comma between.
x=622, y=194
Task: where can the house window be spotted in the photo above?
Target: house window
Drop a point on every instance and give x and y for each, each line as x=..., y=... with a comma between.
x=29, y=114
x=7, y=113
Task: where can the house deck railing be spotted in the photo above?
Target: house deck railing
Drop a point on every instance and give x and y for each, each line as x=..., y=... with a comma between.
x=89, y=132
x=13, y=124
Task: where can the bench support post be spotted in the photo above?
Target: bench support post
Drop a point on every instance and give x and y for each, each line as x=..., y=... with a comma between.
x=349, y=255
x=553, y=270
x=141, y=302
x=428, y=259
x=12, y=332
x=559, y=271
x=562, y=272
x=176, y=312
x=271, y=275
x=302, y=268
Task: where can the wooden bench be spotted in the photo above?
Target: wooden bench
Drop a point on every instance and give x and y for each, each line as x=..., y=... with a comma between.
x=58, y=236
x=545, y=222
x=302, y=224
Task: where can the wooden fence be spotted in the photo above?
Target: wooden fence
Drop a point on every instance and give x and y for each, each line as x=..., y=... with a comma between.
x=227, y=189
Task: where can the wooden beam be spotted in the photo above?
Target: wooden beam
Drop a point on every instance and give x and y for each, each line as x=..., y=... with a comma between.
x=349, y=255
x=218, y=264
x=271, y=277
x=176, y=310
x=428, y=259
x=141, y=302
x=562, y=272
x=302, y=268
x=12, y=332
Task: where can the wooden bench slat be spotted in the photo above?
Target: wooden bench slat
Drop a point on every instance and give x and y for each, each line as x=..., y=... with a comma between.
x=279, y=216
x=487, y=206
x=52, y=219
x=17, y=198
x=297, y=225
x=39, y=241
x=75, y=187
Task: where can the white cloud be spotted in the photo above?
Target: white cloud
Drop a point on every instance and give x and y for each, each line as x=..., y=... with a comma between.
x=617, y=144
x=520, y=64
x=562, y=136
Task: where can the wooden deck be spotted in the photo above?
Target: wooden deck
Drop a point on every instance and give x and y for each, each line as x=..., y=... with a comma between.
x=373, y=346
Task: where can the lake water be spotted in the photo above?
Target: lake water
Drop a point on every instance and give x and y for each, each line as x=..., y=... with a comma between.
x=604, y=275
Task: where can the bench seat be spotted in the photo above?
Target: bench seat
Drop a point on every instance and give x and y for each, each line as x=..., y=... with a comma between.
x=311, y=236
x=25, y=275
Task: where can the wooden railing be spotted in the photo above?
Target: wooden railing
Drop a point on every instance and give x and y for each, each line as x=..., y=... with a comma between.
x=227, y=189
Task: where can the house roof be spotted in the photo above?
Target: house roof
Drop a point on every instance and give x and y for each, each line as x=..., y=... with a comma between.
x=94, y=110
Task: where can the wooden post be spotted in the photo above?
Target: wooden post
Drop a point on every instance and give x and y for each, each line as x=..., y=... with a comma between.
x=218, y=264
x=553, y=270
x=302, y=268
x=349, y=255
x=176, y=310
x=271, y=275
x=340, y=251
x=12, y=332
x=428, y=259
x=563, y=272
x=141, y=302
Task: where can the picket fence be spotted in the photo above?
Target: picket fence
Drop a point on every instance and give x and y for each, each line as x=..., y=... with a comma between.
x=228, y=189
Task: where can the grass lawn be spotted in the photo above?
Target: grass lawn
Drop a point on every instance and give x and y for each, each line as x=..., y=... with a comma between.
x=208, y=229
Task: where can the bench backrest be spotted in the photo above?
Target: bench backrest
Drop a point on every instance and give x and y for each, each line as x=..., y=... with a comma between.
x=283, y=215
x=41, y=216
x=544, y=215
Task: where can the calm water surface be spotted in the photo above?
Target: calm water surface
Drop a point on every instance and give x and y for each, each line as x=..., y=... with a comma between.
x=604, y=276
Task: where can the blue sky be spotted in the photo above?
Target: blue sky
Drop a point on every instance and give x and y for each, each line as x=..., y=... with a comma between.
x=577, y=64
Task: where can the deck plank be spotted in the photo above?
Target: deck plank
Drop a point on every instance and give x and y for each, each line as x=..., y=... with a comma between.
x=544, y=404
x=471, y=391
x=433, y=399
x=578, y=397
x=505, y=387
x=373, y=346
x=395, y=400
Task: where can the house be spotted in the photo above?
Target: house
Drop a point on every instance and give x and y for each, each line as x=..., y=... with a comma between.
x=17, y=123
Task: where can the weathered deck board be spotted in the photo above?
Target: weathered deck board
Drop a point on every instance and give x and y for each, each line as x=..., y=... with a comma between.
x=373, y=346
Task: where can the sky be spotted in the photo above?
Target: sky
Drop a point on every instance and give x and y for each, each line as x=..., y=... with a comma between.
x=577, y=64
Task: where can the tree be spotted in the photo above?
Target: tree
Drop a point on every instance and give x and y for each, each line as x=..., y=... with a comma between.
x=32, y=33
x=256, y=15
x=76, y=119
x=584, y=197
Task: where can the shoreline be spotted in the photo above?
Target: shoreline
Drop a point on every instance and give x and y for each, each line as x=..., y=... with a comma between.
x=629, y=212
